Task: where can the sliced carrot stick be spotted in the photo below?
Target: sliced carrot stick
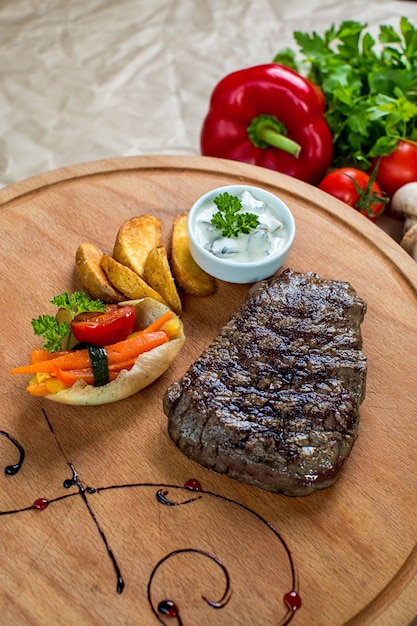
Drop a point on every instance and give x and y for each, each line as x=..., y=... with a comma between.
x=137, y=344
x=37, y=356
x=122, y=365
x=69, y=377
x=72, y=360
x=158, y=323
x=79, y=359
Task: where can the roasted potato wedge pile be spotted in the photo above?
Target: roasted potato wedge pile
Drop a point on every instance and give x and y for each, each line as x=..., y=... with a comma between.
x=140, y=266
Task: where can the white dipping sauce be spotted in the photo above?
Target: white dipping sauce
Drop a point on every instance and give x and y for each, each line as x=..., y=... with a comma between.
x=267, y=238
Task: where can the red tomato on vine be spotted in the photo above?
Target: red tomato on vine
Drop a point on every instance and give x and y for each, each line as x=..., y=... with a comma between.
x=357, y=189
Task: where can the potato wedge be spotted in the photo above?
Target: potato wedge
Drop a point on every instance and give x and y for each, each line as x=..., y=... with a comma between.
x=92, y=276
x=157, y=273
x=135, y=239
x=188, y=275
x=125, y=280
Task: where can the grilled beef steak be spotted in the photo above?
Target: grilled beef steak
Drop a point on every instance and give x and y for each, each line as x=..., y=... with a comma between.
x=274, y=400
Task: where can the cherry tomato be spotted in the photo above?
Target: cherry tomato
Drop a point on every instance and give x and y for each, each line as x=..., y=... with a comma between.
x=398, y=168
x=357, y=189
x=104, y=328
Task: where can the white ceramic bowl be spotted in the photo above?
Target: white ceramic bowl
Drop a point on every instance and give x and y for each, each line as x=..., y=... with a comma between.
x=228, y=269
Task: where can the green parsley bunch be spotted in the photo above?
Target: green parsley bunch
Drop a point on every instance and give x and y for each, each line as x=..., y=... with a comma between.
x=370, y=86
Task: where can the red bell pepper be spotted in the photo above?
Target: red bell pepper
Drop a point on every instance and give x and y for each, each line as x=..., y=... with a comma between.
x=269, y=115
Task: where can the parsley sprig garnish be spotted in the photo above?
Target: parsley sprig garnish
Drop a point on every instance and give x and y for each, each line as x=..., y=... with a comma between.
x=229, y=219
x=54, y=331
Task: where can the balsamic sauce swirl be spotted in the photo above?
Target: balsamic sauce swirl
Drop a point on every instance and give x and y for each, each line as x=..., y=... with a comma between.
x=166, y=607
x=11, y=470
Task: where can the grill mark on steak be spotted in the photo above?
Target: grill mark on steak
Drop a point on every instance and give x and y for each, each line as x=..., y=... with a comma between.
x=274, y=400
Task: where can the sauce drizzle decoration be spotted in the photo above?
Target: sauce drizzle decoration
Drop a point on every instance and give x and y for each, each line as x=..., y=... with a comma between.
x=166, y=607
x=11, y=470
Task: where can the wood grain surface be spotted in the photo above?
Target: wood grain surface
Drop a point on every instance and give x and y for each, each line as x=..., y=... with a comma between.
x=353, y=546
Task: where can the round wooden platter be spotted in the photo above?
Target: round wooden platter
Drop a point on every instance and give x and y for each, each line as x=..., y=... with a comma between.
x=353, y=546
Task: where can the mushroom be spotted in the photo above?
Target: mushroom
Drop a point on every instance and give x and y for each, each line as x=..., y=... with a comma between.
x=404, y=203
x=409, y=242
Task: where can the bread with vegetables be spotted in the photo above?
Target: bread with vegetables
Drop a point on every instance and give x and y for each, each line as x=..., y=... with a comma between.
x=95, y=353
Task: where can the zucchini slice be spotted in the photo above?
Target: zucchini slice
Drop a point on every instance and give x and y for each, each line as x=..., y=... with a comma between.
x=99, y=364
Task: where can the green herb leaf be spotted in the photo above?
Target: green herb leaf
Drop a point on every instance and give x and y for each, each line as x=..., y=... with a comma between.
x=229, y=220
x=53, y=331
x=78, y=302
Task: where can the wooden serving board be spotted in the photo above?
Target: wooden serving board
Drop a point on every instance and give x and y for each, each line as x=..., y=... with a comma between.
x=353, y=546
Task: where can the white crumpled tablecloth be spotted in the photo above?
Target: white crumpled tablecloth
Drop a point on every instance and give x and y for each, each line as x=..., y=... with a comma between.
x=89, y=79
